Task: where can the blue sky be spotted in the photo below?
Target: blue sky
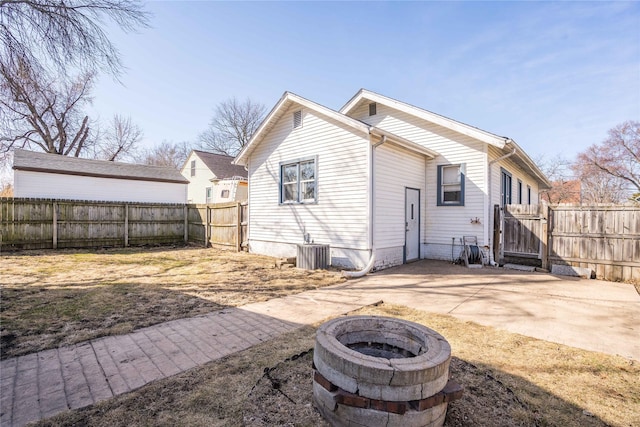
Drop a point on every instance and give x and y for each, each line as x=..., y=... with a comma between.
x=552, y=76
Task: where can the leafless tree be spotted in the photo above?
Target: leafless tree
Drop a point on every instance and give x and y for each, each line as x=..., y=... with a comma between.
x=64, y=34
x=166, y=154
x=618, y=155
x=564, y=187
x=610, y=171
x=120, y=140
x=232, y=126
x=44, y=115
x=6, y=188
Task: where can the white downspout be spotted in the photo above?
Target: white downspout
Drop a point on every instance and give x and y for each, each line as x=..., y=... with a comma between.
x=372, y=260
x=490, y=233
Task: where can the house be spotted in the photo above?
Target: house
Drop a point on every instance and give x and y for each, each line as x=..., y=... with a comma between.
x=214, y=179
x=380, y=181
x=43, y=175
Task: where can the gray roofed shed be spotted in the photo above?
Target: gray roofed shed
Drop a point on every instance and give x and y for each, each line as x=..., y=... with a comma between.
x=54, y=163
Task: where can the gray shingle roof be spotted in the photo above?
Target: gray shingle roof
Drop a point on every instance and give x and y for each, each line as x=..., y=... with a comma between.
x=221, y=165
x=54, y=163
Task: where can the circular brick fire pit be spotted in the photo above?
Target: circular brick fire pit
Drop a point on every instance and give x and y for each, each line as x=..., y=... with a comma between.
x=372, y=370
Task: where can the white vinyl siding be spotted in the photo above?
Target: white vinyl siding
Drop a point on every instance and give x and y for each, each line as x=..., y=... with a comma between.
x=199, y=176
x=74, y=187
x=395, y=170
x=442, y=222
x=339, y=216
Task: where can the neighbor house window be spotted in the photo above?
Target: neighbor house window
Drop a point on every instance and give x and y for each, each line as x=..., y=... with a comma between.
x=519, y=192
x=297, y=119
x=528, y=194
x=451, y=185
x=224, y=194
x=505, y=187
x=209, y=190
x=373, y=109
x=193, y=168
x=298, y=182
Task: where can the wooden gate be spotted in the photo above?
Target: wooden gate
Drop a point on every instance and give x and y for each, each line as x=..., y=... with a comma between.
x=523, y=233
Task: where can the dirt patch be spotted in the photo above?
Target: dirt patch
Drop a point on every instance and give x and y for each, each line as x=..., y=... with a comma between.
x=64, y=297
x=509, y=380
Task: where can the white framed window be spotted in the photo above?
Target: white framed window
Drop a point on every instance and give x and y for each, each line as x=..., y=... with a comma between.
x=298, y=181
x=209, y=192
x=528, y=194
x=193, y=168
x=451, y=185
x=224, y=194
x=373, y=109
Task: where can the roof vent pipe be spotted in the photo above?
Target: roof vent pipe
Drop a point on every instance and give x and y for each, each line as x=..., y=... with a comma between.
x=372, y=260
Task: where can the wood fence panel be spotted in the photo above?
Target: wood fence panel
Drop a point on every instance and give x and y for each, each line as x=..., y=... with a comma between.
x=603, y=238
x=522, y=230
x=197, y=221
x=223, y=225
x=26, y=224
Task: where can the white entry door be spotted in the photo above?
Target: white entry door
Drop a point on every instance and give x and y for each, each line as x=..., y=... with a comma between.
x=412, y=224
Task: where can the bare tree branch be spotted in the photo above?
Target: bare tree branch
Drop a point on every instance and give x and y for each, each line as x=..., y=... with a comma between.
x=232, y=126
x=56, y=34
x=166, y=154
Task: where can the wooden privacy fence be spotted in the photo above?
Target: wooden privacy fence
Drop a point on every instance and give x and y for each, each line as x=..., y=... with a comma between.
x=50, y=224
x=603, y=238
x=223, y=224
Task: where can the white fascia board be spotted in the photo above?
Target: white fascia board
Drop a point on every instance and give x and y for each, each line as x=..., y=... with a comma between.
x=404, y=143
x=284, y=102
x=464, y=129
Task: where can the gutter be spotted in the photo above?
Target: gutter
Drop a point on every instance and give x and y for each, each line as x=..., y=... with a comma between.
x=489, y=234
x=372, y=260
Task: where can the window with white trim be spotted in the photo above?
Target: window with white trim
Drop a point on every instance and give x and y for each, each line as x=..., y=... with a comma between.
x=298, y=182
x=373, y=109
x=528, y=194
x=209, y=191
x=193, y=168
x=451, y=185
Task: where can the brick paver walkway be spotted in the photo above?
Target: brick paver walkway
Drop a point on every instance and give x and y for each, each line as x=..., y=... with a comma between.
x=40, y=385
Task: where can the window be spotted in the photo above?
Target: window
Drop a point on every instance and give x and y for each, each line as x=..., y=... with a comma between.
x=224, y=194
x=528, y=194
x=373, y=107
x=519, y=192
x=193, y=168
x=209, y=189
x=297, y=119
x=298, y=182
x=451, y=185
x=505, y=187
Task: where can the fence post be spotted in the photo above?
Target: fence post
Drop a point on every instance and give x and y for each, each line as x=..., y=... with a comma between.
x=544, y=236
x=207, y=222
x=239, y=227
x=126, y=225
x=186, y=223
x=55, y=225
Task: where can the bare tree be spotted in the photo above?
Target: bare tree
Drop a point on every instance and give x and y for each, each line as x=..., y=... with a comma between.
x=232, y=126
x=618, y=155
x=6, y=188
x=598, y=186
x=120, y=139
x=44, y=115
x=166, y=154
x=564, y=187
x=55, y=34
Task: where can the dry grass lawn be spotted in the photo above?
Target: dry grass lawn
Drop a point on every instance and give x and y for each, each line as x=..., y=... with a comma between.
x=52, y=298
x=509, y=379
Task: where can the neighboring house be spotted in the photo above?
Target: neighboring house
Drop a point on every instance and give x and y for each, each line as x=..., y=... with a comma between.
x=42, y=175
x=563, y=192
x=381, y=181
x=214, y=179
